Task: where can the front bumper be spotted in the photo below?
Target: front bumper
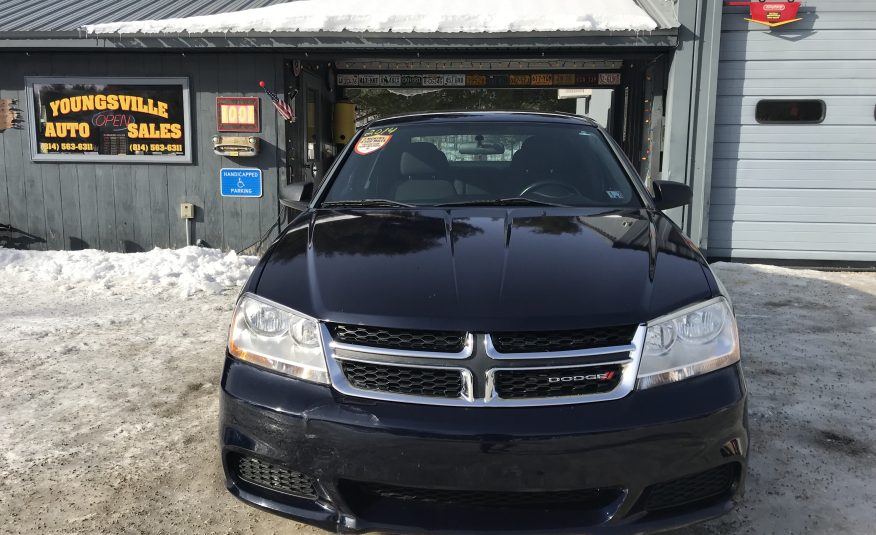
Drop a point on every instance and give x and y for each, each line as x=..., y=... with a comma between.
x=624, y=446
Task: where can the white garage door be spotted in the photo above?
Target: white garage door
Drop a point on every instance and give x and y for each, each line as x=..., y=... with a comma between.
x=793, y=185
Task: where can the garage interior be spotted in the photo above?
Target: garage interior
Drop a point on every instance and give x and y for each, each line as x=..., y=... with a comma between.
x=334, y=96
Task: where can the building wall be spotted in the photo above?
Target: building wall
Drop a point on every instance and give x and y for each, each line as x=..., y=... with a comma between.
x=797, y=191
x=133, y=207
x=690, y=111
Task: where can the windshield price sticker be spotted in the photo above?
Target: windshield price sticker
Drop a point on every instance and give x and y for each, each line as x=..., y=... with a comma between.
x=374, y=140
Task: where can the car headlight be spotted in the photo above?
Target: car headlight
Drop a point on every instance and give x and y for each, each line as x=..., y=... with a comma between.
x=274, y=337
x=693, y=341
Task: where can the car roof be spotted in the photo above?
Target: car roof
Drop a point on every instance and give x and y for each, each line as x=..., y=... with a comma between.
x=485, y=116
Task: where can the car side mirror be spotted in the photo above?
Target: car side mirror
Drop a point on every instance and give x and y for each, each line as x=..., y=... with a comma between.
x=297, y=196
x=668, y=194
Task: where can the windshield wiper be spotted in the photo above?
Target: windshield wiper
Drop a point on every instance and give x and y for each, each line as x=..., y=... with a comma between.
x=510, y=201
x=366, y=202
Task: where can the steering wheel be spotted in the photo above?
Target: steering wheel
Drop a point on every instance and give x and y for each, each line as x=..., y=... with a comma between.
x=532, y=188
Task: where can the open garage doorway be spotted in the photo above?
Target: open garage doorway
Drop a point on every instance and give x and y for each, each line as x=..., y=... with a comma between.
x=337, y=96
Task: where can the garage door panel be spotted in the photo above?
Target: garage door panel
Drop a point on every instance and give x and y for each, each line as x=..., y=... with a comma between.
x=802, y=198
x=839, y=110
x=793, y=40
x=780, y=254
x=836, y=237
x=819, y=134
x=792, y=214
x=797, y=87
x=796, y=70
x=755, y=54
x=847, y=174
x=794, y=151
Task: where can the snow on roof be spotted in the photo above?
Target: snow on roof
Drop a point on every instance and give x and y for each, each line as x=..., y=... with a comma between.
x=405, y=16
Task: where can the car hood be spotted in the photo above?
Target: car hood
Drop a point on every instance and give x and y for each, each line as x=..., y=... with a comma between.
x=484, y=268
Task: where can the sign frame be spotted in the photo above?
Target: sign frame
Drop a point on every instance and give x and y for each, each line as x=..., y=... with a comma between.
x=233, y=196
x=33, y=119
x=256, y=127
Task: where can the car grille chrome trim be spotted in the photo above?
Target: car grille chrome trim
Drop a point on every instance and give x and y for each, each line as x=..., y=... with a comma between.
x=337, y=352
x=493, y=353
x=465, y=353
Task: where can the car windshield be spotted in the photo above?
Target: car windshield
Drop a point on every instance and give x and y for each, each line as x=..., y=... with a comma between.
x=481, y=163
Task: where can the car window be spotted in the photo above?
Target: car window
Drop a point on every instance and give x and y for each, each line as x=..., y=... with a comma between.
x=467, y=162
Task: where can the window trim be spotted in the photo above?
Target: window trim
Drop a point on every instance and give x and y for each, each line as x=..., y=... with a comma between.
x=819, y=121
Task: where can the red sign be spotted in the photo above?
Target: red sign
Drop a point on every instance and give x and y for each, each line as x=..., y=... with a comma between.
x=237, y=114
x=771, y=14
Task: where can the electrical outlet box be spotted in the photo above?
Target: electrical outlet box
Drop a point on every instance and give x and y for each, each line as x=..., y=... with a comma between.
x=187, y=210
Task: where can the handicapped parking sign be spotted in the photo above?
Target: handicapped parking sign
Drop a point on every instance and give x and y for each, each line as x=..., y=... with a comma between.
x=241, y=182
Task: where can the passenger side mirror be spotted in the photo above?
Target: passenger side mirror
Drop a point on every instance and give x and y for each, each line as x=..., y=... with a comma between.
x=296, y=196
x=668, y=194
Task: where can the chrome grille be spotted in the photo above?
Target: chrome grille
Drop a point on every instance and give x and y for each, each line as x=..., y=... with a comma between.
x=541, y=341
x=408, y=380
x=476, y=374
x=438, y=341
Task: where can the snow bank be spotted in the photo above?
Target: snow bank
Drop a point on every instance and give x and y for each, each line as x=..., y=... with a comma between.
x=406, y=16
x=189, y=270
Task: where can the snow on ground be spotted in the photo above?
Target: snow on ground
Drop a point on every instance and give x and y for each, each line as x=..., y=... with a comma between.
x=403, y=16
x=110, y=382
x=189, y=270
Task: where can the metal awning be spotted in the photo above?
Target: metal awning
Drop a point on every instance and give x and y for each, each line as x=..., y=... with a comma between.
x=609, y=24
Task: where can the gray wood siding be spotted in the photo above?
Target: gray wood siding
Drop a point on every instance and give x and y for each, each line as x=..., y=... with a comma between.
x=797, y=191
x=135, y=207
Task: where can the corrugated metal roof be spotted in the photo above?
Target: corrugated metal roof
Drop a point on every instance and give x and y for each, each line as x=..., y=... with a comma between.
x=69, y=15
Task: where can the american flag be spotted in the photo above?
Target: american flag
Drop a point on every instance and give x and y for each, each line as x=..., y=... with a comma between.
x=282, y=107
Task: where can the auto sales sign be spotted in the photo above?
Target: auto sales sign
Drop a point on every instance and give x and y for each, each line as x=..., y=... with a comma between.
x=116, y=119
x=771, y=14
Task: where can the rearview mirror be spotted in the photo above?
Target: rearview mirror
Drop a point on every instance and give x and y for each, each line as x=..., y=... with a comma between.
x=480, y=148
x=296, y=196
x=668, y=194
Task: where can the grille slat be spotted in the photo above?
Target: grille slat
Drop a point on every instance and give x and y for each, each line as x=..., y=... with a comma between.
x=556, y=382
x=691, y=489
x=583, y=499
x=276, y=478
x=436, y=341
x=429, y=382
x=541, y=341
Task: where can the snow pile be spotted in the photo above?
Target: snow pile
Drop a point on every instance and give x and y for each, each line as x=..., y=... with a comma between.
x=188, y=270
x=405, y=16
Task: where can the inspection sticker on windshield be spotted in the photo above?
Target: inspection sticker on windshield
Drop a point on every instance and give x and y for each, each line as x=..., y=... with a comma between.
x=614, y=194
x=374, y=139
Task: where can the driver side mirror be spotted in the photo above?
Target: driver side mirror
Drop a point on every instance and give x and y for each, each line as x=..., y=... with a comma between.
x=668, y=194
x=296, y=196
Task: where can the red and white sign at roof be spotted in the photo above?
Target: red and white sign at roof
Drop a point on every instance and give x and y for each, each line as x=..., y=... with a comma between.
x=771, y=14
